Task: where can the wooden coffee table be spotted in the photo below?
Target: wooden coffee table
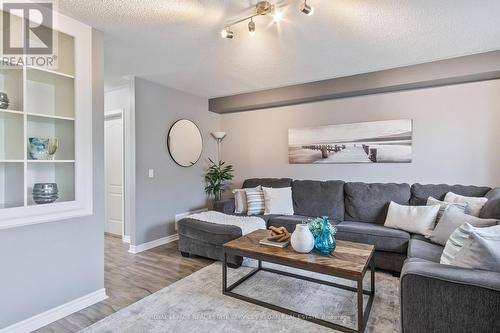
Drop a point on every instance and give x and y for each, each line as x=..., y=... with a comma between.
x=348, y=261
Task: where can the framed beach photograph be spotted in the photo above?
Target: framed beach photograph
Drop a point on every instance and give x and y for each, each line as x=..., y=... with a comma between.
x=387, y=141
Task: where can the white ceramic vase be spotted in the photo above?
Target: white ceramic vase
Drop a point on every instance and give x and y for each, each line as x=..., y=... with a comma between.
x=302, y=239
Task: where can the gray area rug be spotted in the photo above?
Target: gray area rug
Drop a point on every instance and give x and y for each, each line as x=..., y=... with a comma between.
x=196, y=304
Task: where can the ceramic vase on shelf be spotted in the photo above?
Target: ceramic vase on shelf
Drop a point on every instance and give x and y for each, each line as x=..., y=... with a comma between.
x=38, y=148
x=325, y=243
x=44, y=193
x=4, y=101
x=302, y=239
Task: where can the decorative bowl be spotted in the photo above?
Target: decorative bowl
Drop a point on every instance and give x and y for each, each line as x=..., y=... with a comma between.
x=44, y=193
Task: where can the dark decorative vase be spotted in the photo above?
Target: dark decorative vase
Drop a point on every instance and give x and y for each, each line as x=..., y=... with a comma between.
x=45, y=193
x=325, y=242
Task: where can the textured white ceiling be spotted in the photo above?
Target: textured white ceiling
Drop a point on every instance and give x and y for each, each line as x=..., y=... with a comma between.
x=177, y=42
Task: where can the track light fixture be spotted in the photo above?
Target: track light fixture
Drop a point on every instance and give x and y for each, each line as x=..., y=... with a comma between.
x=251, y=27
x=264, y=8
x=306, y=9
x=227, y=33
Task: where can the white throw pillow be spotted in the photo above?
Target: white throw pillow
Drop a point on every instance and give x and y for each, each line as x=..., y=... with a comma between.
x=451, y=220
x=443, y=205
x=456, y=241
x=255, y=201
x=474, y=203
x=480, y=248
x=278, y=200
x=414, y=219
x=240, y=200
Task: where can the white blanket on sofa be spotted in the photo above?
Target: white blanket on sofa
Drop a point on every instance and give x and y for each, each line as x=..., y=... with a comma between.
x=247, y=224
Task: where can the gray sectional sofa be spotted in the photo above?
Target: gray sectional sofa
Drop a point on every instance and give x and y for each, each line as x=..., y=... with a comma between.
x=434, y=297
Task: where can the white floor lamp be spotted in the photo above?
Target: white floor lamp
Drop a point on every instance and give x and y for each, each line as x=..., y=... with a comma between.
x=219, y=136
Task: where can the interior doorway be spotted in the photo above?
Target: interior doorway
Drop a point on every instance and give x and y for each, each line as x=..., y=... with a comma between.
x=114, y=173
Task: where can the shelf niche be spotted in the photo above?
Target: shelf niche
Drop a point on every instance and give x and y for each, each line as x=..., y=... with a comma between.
x=50, y=93
x=63, y=174
x=11, y=184
x=11, y=83
x=11, y=136
x=47, y=127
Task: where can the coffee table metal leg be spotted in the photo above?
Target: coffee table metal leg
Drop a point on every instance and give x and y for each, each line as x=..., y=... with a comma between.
x=372, y=267
x=360, y=306
x=260, y=264
x=224, y=273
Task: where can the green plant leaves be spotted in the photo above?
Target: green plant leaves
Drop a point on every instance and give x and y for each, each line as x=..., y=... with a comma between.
x=217, y=177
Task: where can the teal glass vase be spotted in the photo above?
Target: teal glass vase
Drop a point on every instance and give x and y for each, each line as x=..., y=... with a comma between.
x=325, y=242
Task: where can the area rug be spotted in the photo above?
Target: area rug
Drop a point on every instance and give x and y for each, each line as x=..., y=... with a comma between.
x=196, y=304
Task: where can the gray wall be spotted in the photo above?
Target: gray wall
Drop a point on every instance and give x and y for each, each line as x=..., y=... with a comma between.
x=46, y=265
x=174, y=189
x=455, y=140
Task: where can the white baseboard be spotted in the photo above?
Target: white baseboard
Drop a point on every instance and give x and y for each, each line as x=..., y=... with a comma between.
x=126, y=239
x=54, y=314
x=149, y=245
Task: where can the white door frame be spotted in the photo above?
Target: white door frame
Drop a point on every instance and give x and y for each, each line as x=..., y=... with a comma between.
x=108, y=115
x=128, y=116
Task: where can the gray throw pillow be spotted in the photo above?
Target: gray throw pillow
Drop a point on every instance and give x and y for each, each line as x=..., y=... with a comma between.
x=453, y=218
x=491, y=210
x=481, y=250
x=443, y=205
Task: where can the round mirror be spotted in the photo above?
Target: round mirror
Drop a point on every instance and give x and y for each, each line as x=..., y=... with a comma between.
x=185, y=142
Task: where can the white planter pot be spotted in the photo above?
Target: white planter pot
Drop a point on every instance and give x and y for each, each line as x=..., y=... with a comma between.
x=302, y=239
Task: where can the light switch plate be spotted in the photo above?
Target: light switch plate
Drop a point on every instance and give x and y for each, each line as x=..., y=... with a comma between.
x=151, y=173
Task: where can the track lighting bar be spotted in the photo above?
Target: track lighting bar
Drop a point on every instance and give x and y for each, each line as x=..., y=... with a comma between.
x=263, y=8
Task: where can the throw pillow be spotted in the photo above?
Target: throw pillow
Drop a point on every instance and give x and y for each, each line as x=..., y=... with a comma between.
x=474, y=203
x=278, y=200
x=414, y=219
x=240, y=200
x=481, y=250
x=456, y=241
x=255, y=201
x=491, y=209
x=443, y=205
x=451, y=220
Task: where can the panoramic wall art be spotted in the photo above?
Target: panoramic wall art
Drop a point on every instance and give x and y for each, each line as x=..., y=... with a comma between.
x=388, y=141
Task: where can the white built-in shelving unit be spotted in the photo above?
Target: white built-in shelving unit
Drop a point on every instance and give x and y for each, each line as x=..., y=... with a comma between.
x=48, y=103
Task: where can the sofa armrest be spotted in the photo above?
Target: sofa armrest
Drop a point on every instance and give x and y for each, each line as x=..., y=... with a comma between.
x=224, y=206
x=443, y=298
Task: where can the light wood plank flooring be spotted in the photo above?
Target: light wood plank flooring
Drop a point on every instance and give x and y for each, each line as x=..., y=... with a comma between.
x=129, y=278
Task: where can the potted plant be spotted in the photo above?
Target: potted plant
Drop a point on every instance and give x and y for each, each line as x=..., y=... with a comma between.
x=217, y=178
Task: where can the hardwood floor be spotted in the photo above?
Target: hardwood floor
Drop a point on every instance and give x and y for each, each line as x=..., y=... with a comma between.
x=129, y=278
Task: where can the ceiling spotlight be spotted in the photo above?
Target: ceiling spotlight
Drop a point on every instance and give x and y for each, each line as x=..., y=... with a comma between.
x=227, y=33
x=306, y=9
x=251, y=27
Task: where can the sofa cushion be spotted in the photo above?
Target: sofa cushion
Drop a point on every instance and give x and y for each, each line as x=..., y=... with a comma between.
x=207, y=232
x=383, y=238
x=420, y=193
x=267, y=182
x=421, y=248
x=287, y=221
x=491, y=210
x=370, y=202
x=317, y=198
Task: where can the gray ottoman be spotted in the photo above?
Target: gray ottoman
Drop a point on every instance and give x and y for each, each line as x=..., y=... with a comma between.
x=205, y=239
